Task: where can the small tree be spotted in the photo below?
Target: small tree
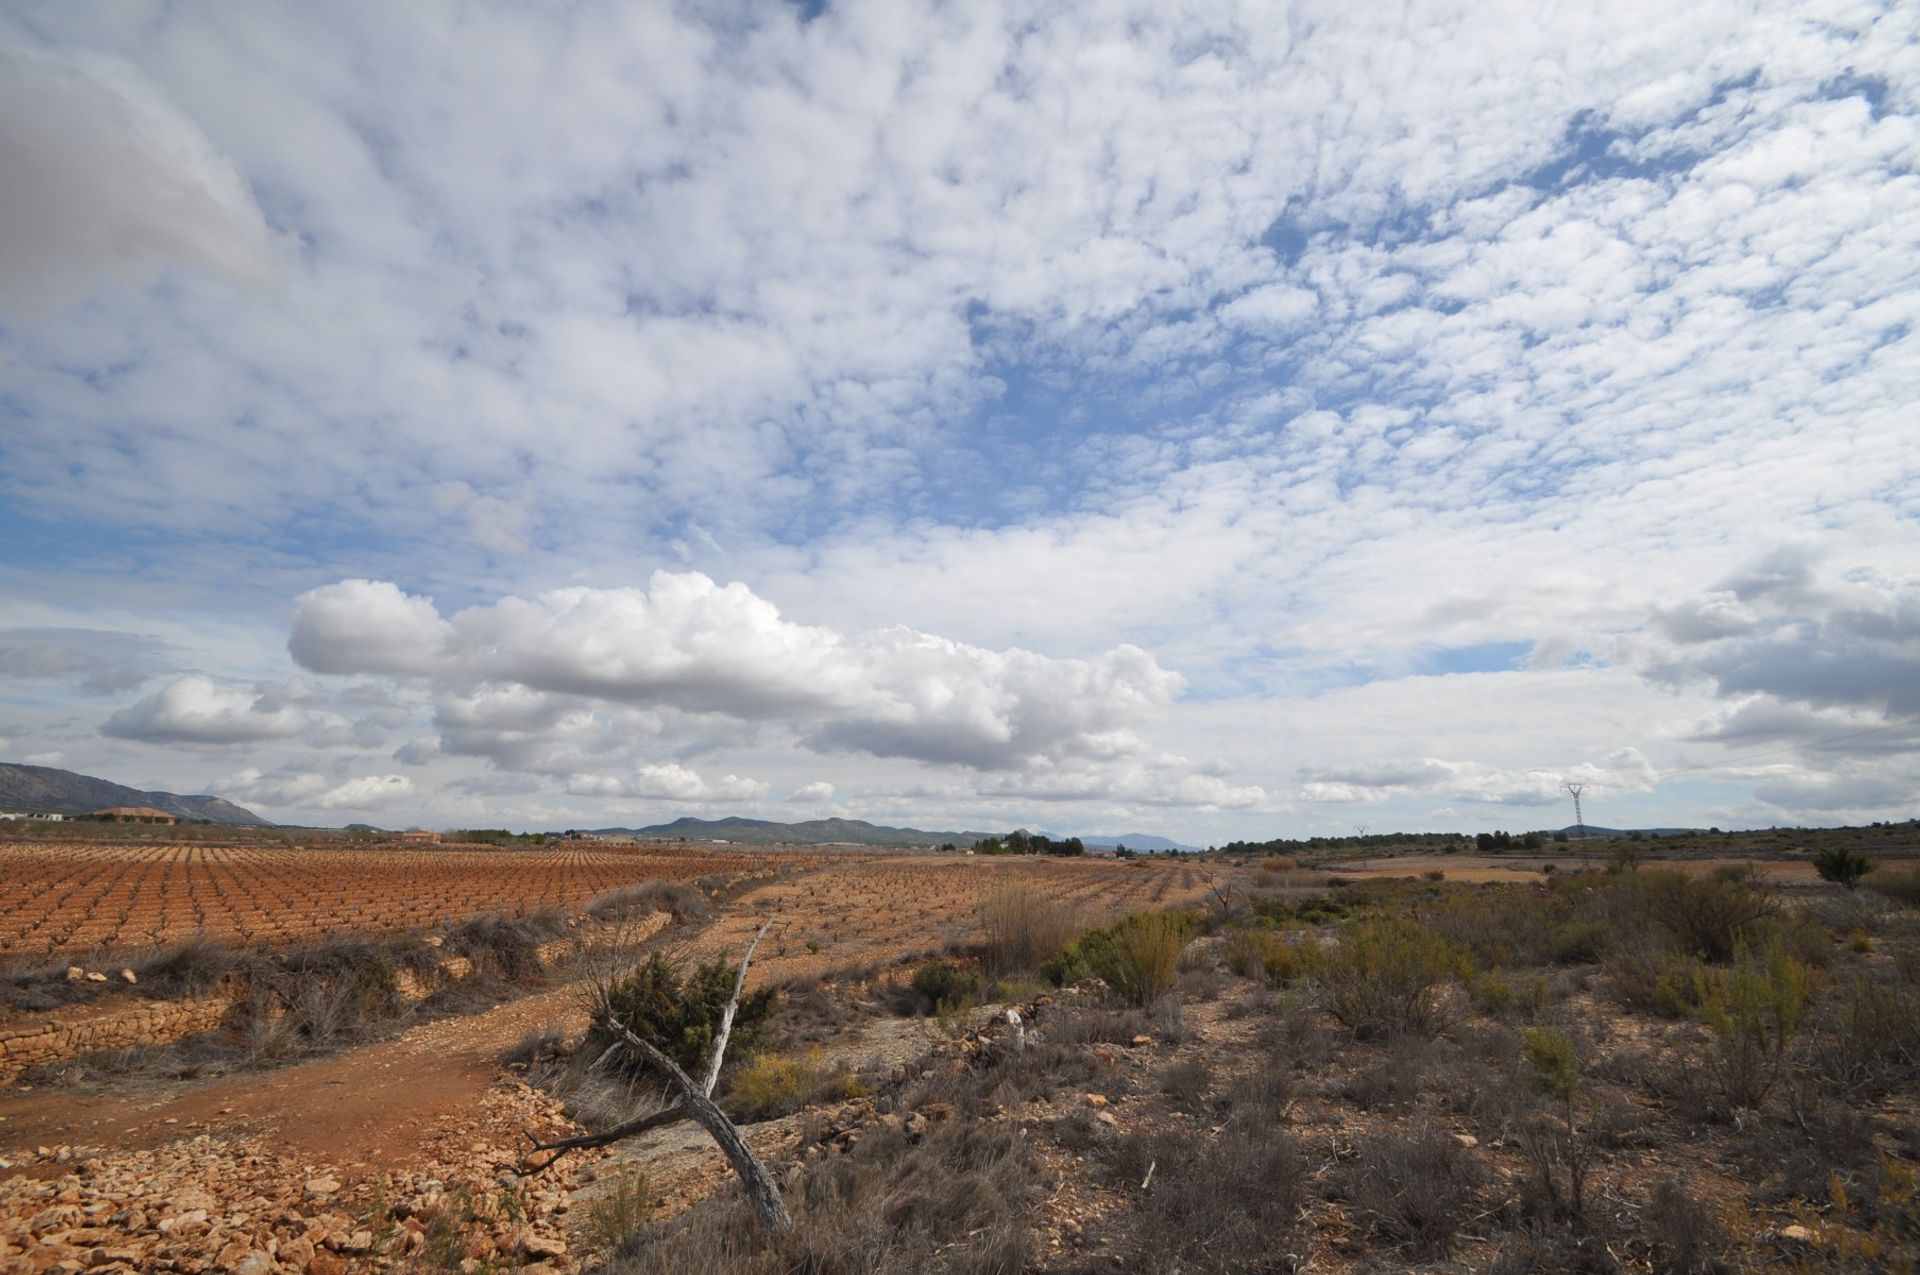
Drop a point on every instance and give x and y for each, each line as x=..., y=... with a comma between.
x=1556, y=1076
x=1842, y=864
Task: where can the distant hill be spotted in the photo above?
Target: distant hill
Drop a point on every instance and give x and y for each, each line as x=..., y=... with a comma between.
x=1594, y=830
x=808, y=832
x=1135, y=841
x=44, y=788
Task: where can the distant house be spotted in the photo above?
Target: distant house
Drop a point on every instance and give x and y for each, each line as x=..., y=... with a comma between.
x=134, y=814
x=42, y=816
x=419, y=835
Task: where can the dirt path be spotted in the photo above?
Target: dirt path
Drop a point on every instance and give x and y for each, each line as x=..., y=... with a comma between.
x=371, y=1107
x=375, y=1108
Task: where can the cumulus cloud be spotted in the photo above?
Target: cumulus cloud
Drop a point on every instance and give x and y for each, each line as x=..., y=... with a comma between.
x=108, y=177
x=1850, y=643
x=99, y=661
x=307, y=790
x=1622, y=772
x=1303, y=347
x=195, y=709
x=526, y=668
x=367, y=626
x=814, y=793
x=667, y=781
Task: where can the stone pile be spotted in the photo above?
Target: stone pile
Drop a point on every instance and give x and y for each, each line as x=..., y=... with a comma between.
x=212, y=1203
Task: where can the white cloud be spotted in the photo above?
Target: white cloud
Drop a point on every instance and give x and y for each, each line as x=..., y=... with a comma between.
x=307, y=790
x=667, y=781
x=1464, y=356
x=107, y=177
x=367, y=626
x=816, y=792
x=1625, y=771
x=195, y=709
x=537, y=665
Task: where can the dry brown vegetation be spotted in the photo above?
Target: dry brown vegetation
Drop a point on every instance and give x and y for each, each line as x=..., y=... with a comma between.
x=1628, y=1071
x=1673, y=1067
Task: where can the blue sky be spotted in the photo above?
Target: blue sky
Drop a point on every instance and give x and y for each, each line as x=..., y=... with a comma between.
x=1253, y=420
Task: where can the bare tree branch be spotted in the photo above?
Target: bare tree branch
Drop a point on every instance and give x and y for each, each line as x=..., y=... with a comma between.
x=761, y=1191
x=682, y=1110
x=586, y=1141
x=712, y=1077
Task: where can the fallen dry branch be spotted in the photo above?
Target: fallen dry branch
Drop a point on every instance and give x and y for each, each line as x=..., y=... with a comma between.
x=696, y=1102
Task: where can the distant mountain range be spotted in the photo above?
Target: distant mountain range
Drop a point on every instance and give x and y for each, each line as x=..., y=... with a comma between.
x=813, y=832
x=62, y=792
x=1595, y=830
x=807, y=832
x=1135, y=841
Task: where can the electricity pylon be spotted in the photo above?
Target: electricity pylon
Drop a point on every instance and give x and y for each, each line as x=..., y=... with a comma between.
x=1579, y=819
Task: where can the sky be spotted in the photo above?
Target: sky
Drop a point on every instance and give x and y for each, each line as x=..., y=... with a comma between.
x=1213, y=420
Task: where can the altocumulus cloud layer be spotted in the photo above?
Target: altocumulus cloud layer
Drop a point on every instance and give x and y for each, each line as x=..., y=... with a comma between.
x=1241, y=419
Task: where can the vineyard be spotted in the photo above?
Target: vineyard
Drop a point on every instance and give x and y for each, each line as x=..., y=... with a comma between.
x=871, y=910
x=68, y=898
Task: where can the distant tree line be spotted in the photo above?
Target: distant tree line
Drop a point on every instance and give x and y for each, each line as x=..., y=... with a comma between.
x=1445, y=842
x=1024, y=842
x=497, y=837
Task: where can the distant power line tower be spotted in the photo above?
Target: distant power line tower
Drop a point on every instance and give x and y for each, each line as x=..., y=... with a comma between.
x=1579, y=819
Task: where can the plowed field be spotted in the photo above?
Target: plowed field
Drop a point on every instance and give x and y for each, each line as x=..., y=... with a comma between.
x=74, y=897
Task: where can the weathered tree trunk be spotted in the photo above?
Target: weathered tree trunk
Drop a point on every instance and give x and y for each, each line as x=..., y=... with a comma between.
x=696, y=1103
x=761, y=1191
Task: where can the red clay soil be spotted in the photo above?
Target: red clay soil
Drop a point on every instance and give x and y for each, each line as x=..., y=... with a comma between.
x=372, y=1108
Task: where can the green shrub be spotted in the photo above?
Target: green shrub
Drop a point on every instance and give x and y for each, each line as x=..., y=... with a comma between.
x=942, y=984
x=1387, y=977
x=1579, y=942
x=1258, y=952
x=614, y=1213
x=1712, y=917
x=1843, y=865
x=1901, y=885
x=1654, y=978
x=775, y=1085
x=678, y=1010
x=1755, y=1009
x=1496, y=995
x=1137, y=956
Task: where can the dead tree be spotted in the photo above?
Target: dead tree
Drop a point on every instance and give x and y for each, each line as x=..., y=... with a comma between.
x=695, y=1100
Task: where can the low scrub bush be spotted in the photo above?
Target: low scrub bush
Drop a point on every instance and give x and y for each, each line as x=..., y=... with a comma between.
x=683, y=901
x=1386, y=977
x=1579, y=942
x=503, y=948
x=615, y=1213
x=1260, y=952
x=678, y=1009
x=1865, y=1042
x=942, y=985
x=1711, y=917
x=1755, y=1010
x=1224, y=1204
x=773, y=1085
x=1498, y=996
x=1842, y=865
x=1137, y=956
x=955, y=1202
x=1023, y=929
x=1655, y=979
x=1902, y=885
x=1682, y=1236
x=1413, y=1192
